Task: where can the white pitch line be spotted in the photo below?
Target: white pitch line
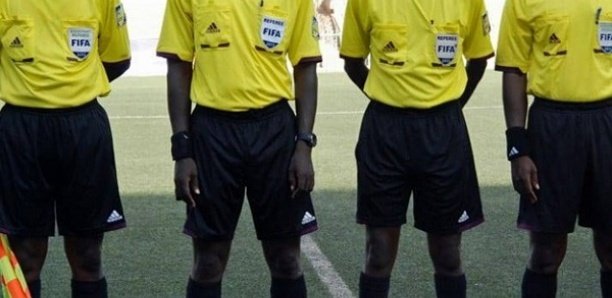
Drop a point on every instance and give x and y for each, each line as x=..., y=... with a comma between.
x=319, y=113
x=325, y=270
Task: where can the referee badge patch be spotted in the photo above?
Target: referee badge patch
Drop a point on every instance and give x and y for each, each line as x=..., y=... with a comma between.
x=446, y=48
x=486, y=24
x=81, y=41
x=120, y=16
x=605, y=37
x=272, y=31
x=315, y=29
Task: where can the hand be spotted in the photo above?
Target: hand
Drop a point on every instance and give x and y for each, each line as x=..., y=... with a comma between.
x=301, y=173
x=186, y=180
x=525, y=178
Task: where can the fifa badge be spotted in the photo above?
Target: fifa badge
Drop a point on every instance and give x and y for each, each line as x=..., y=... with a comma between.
x=446, y=48
x=605, y=37
x=81, y=41
x=272, y=31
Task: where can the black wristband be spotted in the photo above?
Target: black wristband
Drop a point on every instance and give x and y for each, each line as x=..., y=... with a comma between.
x=517, y=141
x=181, y=145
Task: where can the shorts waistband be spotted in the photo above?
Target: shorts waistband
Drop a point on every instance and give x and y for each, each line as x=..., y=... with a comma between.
x=576, y=106
x=451, y=105
x=52, y=111
x=251, y=114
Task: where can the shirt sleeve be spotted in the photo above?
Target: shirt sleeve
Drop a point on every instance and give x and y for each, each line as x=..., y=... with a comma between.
x=477, y=43
x=114, y=41
x=514, y=47
x=176, y=39
x=356, y=31
x=304, y=42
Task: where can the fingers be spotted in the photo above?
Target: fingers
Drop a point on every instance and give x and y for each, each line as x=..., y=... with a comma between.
x=527, y=185
x=186, y=185
x=300, y=180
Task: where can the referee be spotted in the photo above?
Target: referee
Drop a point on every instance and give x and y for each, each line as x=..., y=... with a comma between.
x=413, y=137
x=561, y=53
x=230, y=58
x=56, y=153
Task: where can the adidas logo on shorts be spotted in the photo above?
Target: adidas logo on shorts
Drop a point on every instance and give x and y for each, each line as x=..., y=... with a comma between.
x=114, y=216
x=464, y=217
x=308, y=218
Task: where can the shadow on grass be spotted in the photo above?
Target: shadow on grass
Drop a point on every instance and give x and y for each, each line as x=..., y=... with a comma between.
x=151, y=258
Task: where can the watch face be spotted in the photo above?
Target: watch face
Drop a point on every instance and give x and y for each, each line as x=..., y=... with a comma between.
x=309, y=138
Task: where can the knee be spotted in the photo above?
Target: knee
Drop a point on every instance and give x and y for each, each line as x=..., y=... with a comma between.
x=286, y=266
x=207, y=268
x=546, y=260
x=379, y=262
x=448, y=262
x=88, y=263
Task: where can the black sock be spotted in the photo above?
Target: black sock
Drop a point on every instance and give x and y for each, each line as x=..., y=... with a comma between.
x=89, y=289
x=539, y=285
x=288, y=288
x=606, y=284
x=373, y=287
x=203, y=290
x=34, y=287
x=448, y=286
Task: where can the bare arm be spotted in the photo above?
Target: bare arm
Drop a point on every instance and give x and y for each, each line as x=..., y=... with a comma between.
x=301, y=172
x=524, y=171
x=179, y=110
x=115, y=70
x=357, y=71
x=475, y=69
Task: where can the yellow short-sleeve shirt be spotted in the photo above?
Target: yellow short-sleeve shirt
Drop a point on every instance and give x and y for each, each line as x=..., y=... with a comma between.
x=564, y=47
x=240, y=49
x=51, y=51
x=417, y=47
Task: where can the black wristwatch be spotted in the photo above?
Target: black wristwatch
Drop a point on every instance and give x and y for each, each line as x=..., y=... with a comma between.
x=307, y=137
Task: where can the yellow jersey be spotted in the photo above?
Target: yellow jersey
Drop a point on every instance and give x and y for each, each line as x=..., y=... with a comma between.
x=417, y=47
x=240, y=49
x=564, y=47
x=51, y=51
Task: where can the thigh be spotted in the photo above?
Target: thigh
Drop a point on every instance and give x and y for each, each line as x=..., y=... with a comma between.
x=383, y=184
x=219, y=154
x=26, y=198
x=276, y=214
x=446, y=194
x=88, y=201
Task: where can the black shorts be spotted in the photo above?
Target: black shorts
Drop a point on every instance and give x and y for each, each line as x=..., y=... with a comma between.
x=57, y=163
x=426, y=151
x=571, y=146
x=238, y=151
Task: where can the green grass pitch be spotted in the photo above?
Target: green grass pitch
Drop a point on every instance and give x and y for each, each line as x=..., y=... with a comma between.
x=151, y=258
